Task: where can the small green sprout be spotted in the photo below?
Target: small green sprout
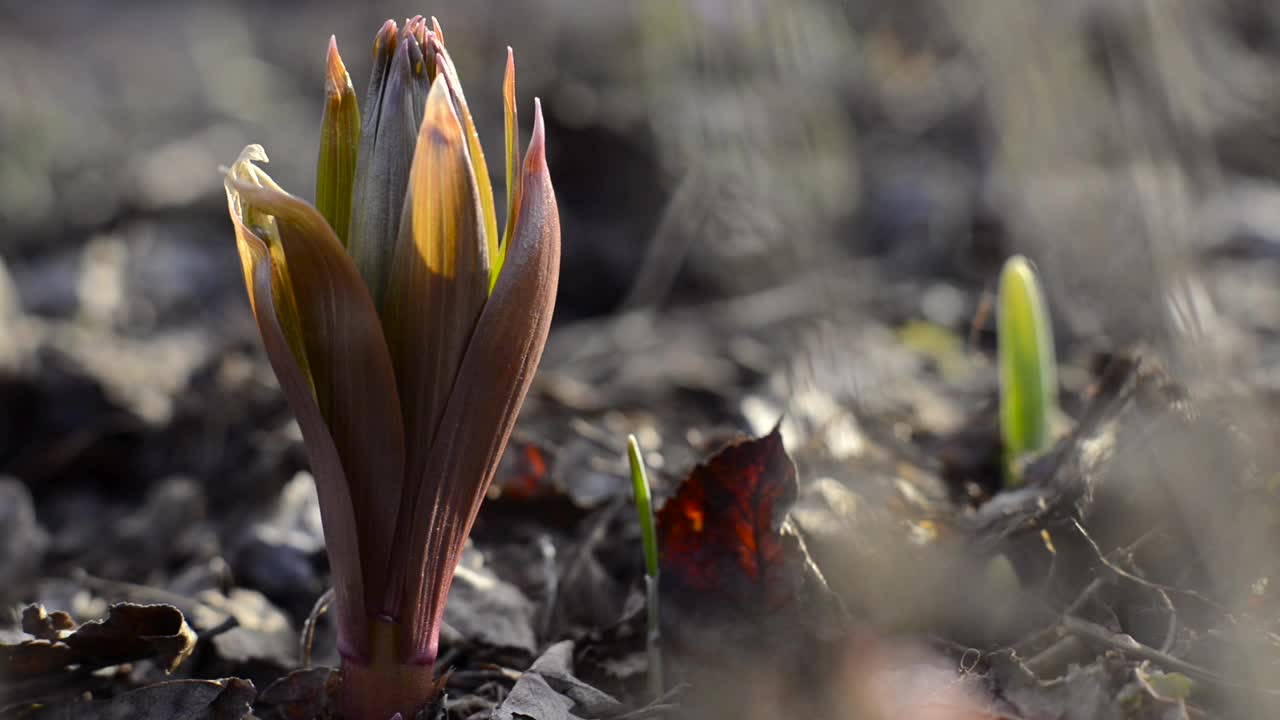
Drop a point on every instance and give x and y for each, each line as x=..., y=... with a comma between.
x=644, y=509
x=1028, y=368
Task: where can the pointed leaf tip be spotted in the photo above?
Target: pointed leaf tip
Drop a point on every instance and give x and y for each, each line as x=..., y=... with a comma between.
x=384, y=43
x=397, y=96
x=512, y=127
x=339, y=145
x=536, y=156
x=336, y=79
x=479, y=168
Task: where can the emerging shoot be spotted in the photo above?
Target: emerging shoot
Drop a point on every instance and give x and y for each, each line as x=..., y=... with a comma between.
x=402, y=341
x=649, y=540
x=1028, y=368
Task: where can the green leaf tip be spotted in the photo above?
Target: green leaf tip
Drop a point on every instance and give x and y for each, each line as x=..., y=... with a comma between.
x=339, y=144
x=644, y=506
x=1028, y=367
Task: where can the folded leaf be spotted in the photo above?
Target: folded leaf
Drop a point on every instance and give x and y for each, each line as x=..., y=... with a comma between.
x=484, y=187
x=497, y=369
x=339, y=143
x=439, y=284
x=264, y=229
x=350, y=369
x=336, y=512
x=386, y=152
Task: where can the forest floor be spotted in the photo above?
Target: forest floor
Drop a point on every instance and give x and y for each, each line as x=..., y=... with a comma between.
x=854, y=551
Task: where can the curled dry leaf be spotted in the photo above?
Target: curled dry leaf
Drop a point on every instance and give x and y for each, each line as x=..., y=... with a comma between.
x=43, y=625
x=128, y=633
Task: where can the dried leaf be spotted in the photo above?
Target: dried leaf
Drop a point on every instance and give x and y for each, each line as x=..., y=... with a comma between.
x=263, y=634
x=486, y=609
x=532, y=698
x=227, y=699
x=43, y=625
x=556, y=666
x=548, y=690
x=313, y=694
x=128, y=633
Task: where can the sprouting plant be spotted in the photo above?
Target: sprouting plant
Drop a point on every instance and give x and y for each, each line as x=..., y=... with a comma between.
x=405, y=332
x=1028, y=368
x=649, y=541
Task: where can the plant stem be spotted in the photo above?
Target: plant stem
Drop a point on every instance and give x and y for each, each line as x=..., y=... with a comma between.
x=385, y=685
x=653, y=638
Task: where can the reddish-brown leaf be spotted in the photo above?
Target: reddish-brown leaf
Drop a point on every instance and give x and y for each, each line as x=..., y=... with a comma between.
x=720, y=535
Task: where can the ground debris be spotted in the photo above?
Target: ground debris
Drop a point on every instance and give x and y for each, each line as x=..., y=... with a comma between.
x=548, y=690
x=226, y=699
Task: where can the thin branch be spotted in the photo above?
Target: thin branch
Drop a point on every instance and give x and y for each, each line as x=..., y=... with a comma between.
x=1142, y=581
x=1102, y=637
x=307, y=639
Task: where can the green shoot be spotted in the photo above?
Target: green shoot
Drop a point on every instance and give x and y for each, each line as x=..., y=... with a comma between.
x=644, y=510
x=1028, y=368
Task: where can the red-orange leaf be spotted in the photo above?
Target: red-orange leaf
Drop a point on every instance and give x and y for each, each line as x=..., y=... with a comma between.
x=720, y=535
x=522, y=473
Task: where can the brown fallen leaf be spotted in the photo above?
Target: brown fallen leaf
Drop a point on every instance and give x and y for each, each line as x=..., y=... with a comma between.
x=44, y=625
x=312, y=694
x=128, y=633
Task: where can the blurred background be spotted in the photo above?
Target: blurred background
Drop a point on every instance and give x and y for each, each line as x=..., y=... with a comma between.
x=701, y=149
x=768, y=207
